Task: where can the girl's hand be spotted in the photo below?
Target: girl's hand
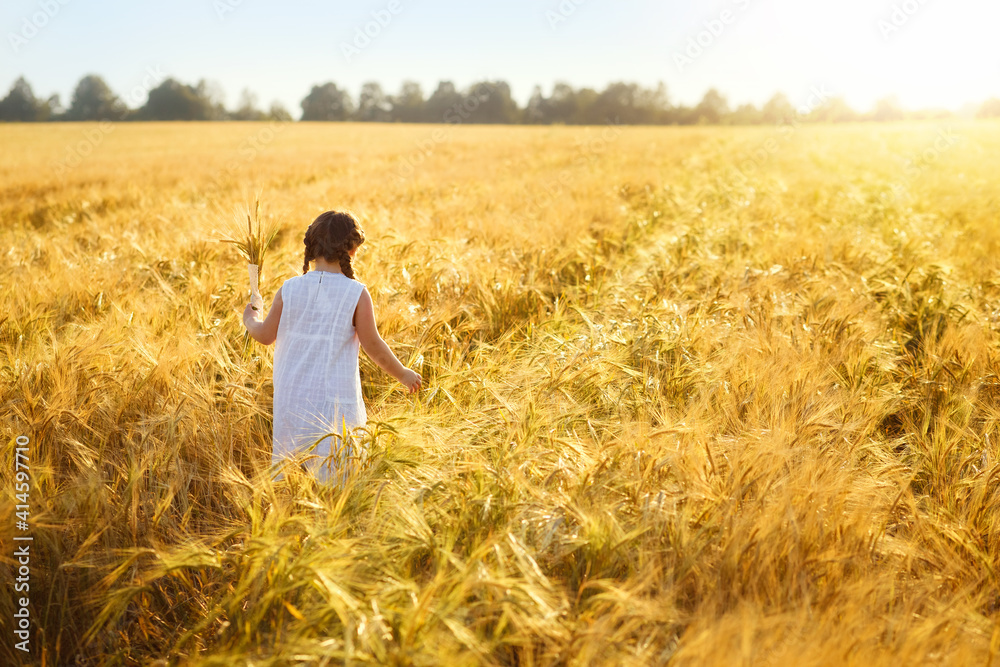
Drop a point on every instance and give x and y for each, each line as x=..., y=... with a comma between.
x=264, y=330
x=249, y=315
x=411, y=380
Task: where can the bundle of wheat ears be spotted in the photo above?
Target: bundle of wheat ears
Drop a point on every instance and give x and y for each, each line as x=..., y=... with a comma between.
x=252, y=244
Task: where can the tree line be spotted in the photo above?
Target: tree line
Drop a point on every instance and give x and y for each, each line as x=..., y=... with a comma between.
x=483, y=102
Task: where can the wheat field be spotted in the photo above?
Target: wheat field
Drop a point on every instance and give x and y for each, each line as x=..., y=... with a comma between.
x=693, y=396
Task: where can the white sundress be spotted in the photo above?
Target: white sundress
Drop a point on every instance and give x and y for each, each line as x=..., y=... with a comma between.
x=317, y=384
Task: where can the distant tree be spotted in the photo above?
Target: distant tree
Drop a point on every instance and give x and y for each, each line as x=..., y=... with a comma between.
x=247, y=109
x=93, y=99
x=990, y=109
x=279, y=113
x=215, y=97
x=327, y=103
x=746, y=114
x=563, y=106
x=491, y=102
x=172, y=100
x=887, y=109
x=373, y=104
x=778, y=110
x=653, y=104
x=52, y=109
x=583, y=101
x=535, y=112
x=712, y=108
x=616, y=104
x=21, y=105
x=680, y=115
x=443, y=100
x=408, y=105
x=834, y=110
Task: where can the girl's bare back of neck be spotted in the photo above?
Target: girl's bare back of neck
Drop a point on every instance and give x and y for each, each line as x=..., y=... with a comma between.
x=329, y=267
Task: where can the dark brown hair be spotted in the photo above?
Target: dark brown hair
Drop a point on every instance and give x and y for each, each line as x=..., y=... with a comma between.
x=332, y=236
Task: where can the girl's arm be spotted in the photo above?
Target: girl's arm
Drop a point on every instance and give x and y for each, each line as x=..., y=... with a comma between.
x=376, y=348
x=264, y=331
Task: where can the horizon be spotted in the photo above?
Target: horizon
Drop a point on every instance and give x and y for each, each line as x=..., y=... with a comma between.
x=748, y=50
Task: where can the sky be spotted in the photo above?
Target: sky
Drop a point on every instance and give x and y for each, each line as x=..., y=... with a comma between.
x=928, y=53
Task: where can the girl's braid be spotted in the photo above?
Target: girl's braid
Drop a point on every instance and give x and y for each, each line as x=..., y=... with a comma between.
x=344, y=257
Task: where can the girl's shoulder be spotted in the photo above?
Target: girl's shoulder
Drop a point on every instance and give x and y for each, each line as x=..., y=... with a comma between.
x=290, y=287
x=294, y=280
x=355, y=288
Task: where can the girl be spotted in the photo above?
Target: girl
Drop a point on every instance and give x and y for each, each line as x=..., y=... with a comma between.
x=319, y=320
